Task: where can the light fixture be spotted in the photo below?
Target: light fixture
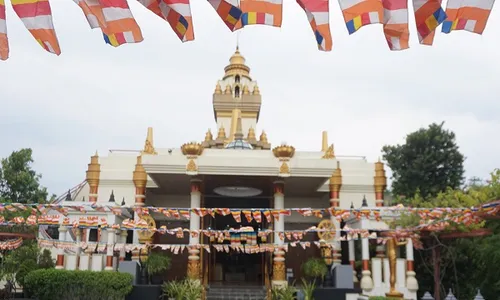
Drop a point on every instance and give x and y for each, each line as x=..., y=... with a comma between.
x=237, y=191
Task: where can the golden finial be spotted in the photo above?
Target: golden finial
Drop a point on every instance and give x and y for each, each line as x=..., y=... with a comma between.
x=380, y=180
x=263, y=137
x=238, y=134
x=228, y=89
x=140, y=177
x=208, y=136
x=329, y=153
x=336, y=178
x=237, y=65
x=218, y=89
x=93, y=170
x=222, y=133
x=245, y=90
x=251, y=134
x=148, y=144
x=324, y=142
x=256, y=90
x=192, y=149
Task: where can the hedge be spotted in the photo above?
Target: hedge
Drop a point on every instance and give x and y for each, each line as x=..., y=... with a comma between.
x=51, y=284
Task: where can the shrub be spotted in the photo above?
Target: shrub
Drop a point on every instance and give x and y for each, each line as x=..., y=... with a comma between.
x=157, y=263
x=315, y=268
x=51, y=284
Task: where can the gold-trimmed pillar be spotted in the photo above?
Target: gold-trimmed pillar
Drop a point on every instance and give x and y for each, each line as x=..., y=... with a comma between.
x=279, y=269
x=411, y=280
x=60, y=251
x=380, y=183
x=109, y=249
x=335, y=185
x=92, y=176
x=194, y=267
x=140, y=179
x=78, y=252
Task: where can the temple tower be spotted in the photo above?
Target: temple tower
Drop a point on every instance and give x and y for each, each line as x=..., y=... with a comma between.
x=236, y=95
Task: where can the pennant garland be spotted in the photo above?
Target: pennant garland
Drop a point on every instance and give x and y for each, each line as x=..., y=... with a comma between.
x=4, y=41
x=318, y=14
x=471, y=15
x=358, y=13
x=36, y=16
x=263, y=12
x=428, y=16
x=396, y=24
x=177, y=13
x=11, y=244
x=228, y=10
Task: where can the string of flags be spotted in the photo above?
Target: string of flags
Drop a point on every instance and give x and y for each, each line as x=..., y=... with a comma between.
x=118, y=25
x=11, y=244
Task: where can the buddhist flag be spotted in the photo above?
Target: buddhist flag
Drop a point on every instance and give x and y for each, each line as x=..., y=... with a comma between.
x=177, y=13
x=4, y=41
x=36, y=16
x=228, y=10
x=318, y=14
x=263, y=12
x=114, y=18
x=428, y=16
x=469, y=15
x=396, y=24
x=358, y=13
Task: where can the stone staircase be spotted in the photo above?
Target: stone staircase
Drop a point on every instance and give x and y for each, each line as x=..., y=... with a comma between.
x=235, y=292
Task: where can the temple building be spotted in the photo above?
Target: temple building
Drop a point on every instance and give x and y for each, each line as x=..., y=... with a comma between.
x=235, y=167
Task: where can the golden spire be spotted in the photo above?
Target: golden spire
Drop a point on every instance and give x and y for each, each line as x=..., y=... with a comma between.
x=380, y=178
x=148, y=144
x=218, y=89
x=245, y=90
x=263, y=137
x=222, y=133
x=238, y=135
x=237, y=65
x=336, y=178
x=208, y=136
x=251, y=134
x=324, y=144
x=256, y=90
x=228, y=89
x=93, y=170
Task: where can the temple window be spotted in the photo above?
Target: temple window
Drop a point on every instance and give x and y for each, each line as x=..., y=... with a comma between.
x=237, y=92
x=237, y=79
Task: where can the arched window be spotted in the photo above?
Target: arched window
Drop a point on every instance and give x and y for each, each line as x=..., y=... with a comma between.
x=237, y=79
x=237, y=92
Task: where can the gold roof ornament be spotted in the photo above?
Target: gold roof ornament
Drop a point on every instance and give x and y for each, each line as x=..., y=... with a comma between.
x=380, y=180
x=251, y=134
x=256, y=90
x=148, y=144
x=192, y=149
x=218, y=89
x=208, y=136
x=228, y=89
x=336, y=178
x=140, y=178
x=237, y=65
x=222, y=133
x=245, y=90
x=93, y=171
x=263, y=137
x=329, y=153
x=284, y=151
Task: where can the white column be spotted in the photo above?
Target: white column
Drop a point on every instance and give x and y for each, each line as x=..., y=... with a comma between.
x=194, y=220
x=109, y=249
x=60, y=252
x=78, y=251
x=279, y=265
x=366, y=280
x=411, y=281
x=193, y=269
x=123, y=240
x=352, y=260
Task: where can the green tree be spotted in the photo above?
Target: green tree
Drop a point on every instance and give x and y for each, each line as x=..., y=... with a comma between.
x=467, y=263
x=18, y=181
x=427, y=163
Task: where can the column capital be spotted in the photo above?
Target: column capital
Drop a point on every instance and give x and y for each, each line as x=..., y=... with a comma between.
x=195, y=185
x=279, y=187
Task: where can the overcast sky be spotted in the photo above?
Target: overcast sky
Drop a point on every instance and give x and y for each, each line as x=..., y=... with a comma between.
x=95, y=96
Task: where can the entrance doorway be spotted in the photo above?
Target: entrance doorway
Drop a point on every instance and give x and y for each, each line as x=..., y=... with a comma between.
x=237, y=267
